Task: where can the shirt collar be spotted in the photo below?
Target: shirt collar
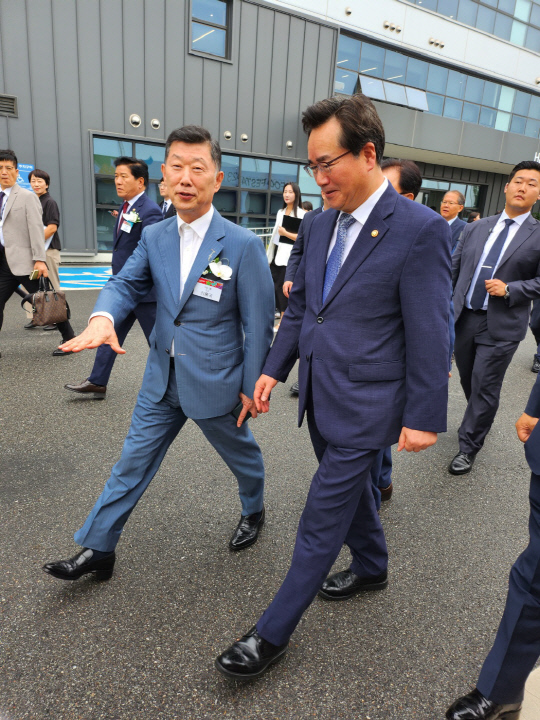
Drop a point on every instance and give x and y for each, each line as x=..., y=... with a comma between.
x=7, y=190
x=452, y=220
x=200, y=225
x=362, y=212
x=133, y=200
x=520, y=219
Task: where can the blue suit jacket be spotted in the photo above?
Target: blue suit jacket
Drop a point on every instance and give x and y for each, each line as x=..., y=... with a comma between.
x=220, y=347
x=125, y=243
x=456, y=228
x=298, y=247
x=375, y=354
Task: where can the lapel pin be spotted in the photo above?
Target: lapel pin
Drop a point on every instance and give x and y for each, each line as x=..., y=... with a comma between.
x=374, y=233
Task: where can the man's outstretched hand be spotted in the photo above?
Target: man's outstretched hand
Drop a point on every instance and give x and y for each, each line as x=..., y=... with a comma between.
x=261, y=396
x=415, y=440
x=100, y=331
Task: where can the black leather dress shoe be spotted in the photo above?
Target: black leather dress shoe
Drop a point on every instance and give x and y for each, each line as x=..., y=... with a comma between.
x=87, y=387
x=536, y=365
x=29, y=326
x=343, y=585
x=475, y=706
x=249, y=657
x=294, y=389
x=61, y=353
x=81, y=564
x=386, y=493
x=247, y=531
x=461, y=464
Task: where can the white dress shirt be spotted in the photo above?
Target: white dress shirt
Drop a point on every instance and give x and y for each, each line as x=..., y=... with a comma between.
x=361, y=215
x=499, y=227
x=452, y=220
x=6, y=192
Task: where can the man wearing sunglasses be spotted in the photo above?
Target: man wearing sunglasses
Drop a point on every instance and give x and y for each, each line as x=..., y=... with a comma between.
x=368, y=318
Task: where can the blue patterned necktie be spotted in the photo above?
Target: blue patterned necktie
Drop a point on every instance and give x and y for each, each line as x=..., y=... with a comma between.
x=336, y=256
x=478, y=296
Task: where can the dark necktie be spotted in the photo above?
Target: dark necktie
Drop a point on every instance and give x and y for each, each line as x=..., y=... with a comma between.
x=488, y=268
x=333, y=264
x=121, y=216
x=2, y=196
x=164, y=209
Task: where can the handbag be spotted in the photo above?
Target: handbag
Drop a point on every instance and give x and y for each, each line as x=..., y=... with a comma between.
x=49, y=306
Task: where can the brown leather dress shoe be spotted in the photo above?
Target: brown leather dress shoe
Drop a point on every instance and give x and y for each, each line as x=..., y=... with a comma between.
x=386, y=493
x=88, y=387
x=475, y=706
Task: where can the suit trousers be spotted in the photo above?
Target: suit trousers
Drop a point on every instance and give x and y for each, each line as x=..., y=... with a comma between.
x=9, y=284
x=145, y=313
x=381, y=473
x=517, y=643
x=340, y=508
x=153, y=428
x=482, y=363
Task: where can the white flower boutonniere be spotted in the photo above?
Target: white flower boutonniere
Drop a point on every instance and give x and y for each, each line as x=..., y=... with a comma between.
x=132, y=217
x=219, y=270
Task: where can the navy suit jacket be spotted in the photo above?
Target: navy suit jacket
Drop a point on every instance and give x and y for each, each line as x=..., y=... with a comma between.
x=532, y=446
x=374, y=355
x=125, y=243
x=171, y=211
x=298, y=247
x=519, y=269
x=456, y=228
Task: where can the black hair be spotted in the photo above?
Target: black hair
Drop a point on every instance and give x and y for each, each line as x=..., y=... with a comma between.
x=359, y=120
x=195, y=135
x=138, y=168
x=410, y=178
x=297, y=197
x=7, y=156
x=524, y=165
x=307, y=205
x=472, y=216
x=40, y=174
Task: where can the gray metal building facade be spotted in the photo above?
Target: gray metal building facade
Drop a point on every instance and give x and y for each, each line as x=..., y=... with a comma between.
x=80, y=69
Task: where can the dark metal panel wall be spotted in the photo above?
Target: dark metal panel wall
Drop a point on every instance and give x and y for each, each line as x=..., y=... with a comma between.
x=112, y=65
x=154, y=60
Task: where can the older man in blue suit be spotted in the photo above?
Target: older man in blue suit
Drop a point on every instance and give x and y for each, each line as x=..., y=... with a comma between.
x=214, y=326
x=368, y=315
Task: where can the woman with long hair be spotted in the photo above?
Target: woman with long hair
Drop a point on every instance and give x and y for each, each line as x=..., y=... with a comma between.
x=282, y=241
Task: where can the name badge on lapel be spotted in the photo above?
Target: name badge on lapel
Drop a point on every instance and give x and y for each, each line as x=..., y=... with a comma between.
x=209, y=289
x=126, y=226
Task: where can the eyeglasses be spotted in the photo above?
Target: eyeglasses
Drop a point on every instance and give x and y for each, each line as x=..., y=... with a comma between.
x=325, y=167
x=449, y=202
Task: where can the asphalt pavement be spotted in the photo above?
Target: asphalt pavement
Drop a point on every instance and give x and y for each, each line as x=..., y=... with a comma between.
x=142, y=646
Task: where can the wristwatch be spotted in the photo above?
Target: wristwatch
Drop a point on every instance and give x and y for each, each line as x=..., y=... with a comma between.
x=506, y=292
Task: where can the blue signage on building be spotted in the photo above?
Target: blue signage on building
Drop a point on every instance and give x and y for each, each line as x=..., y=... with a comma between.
x=24, y=170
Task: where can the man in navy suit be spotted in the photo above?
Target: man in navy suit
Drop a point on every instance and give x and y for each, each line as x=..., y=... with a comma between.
x=500, y=688
x=136, y=213
x=452, y=204
x=214, y=322
x=496, y=274
x=368, y=316
x=166, y=206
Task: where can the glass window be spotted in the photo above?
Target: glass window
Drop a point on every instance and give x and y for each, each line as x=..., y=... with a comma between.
x=345, y=82
x=283, y=173
x=492, y=93
x=253, y=203
x=534, y=108
x=153, y=192
x=231, y=170
x=486, y=19
x=518, y=124
x=253, y=222
x=372, y=60
x=276, y=203
x=535, y=15
x=507, y=6
x=395, y=93
x=470, y=113
x=493, y=3
x=207, y=39
x=506, y=98
x=503, y=26
x=417, y=71
x=429, y=4
x=307, y=184
x=519, y=31
x=255, y=173
x=448, y=8
x=472, y=196
x=417, y=99
x=523, y=10
x=436, y=103
x=488, y=117
x=474, y=90
x=106, y=151
x=225, y=201
x=395, y=67
x=212, y=11
x=532, y=41
x=106, y=192
x=503, y=121
x=348, y=52
x=467, y=12
x=522, y=102
x=153, y=156
x=456, y=84
x=437, y=78
x=105, y=223
x=453, y=108
x=532, y=128
x=373, y=88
